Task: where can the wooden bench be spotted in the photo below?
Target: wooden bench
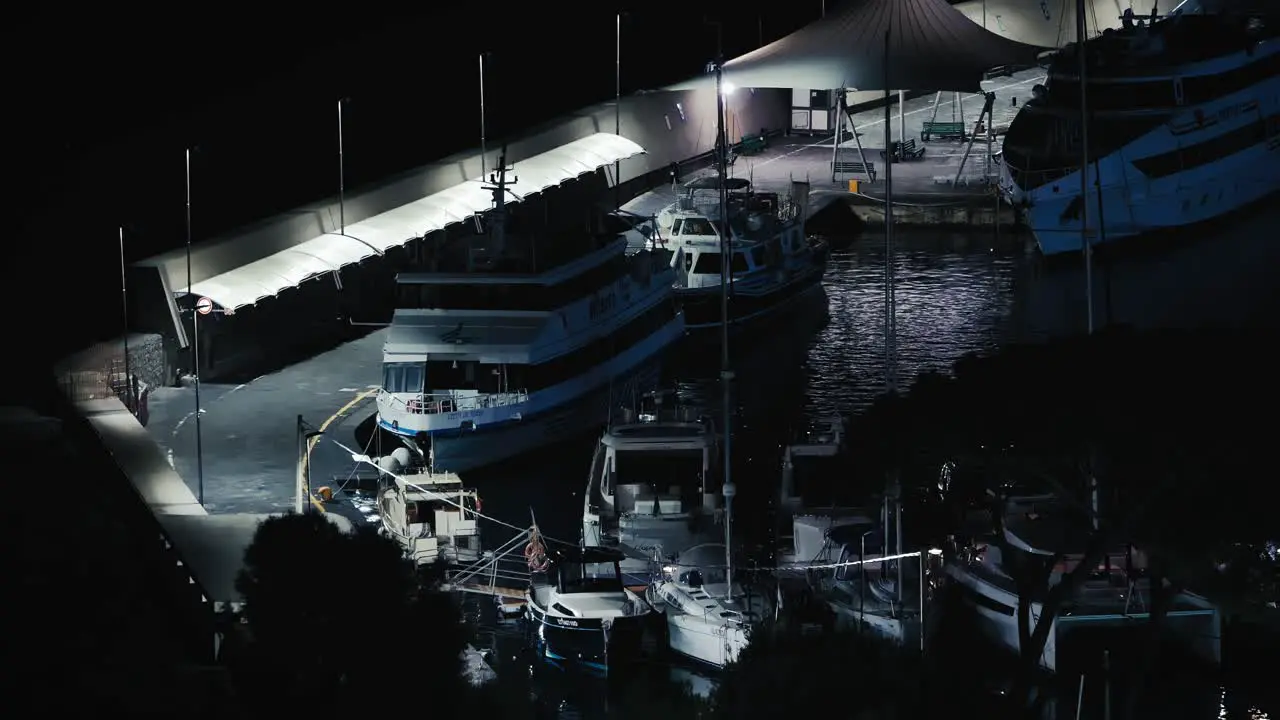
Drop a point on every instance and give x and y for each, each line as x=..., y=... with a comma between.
x=943, y=131
x=900, y=151
x=752, y=144
x=843, y=167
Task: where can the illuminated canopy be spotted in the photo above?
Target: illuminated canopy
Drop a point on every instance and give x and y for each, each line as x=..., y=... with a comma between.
x=331, y=252
x=931, y=47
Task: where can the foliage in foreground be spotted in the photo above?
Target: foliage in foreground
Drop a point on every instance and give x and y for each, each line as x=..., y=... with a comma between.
x=337, y=620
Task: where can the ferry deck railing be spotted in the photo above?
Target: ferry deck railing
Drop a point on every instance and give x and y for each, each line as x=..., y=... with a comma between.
x=435, y=403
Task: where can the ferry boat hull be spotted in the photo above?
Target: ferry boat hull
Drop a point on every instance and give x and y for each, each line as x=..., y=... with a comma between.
x=997, y=613
x=636, y=370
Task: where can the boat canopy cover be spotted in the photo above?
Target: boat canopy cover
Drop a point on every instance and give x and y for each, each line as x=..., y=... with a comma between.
x=930, y=46
x=712, y=182
x=330, y=252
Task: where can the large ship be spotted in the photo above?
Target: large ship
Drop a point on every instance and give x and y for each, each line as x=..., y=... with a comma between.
x=514, y=341
x=1183, y=126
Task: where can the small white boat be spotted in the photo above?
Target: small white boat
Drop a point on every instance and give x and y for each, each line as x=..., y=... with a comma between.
x=708, y=618
x=432, y=516
x=804, y=539
x=581, y=611
x=652, y=490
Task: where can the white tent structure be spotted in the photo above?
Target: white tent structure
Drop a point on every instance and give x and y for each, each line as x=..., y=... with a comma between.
x=927, y=44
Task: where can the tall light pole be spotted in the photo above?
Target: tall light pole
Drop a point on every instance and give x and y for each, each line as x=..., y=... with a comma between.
x=124, y=304
x=342, y=177
x=484, y=168
x=195, y=347
x=617, y=108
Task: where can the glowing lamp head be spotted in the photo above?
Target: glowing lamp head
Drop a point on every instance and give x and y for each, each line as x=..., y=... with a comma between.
x=727, y=88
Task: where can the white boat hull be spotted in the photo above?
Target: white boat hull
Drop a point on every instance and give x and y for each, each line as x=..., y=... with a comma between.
x=1125, y=202
x=707, y=642
x=997, y=612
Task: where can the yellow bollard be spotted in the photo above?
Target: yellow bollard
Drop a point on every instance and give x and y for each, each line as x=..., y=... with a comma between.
x=853, y=186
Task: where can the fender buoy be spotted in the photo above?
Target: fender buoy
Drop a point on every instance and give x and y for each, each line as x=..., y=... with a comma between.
x=479, y=505
x=325, y=493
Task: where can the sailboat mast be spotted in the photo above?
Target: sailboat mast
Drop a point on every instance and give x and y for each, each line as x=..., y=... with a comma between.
x=726, y=375
x=890, y=302
x=1084, y=165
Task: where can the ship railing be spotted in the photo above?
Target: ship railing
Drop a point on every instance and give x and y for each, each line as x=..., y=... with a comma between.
x=435, y=403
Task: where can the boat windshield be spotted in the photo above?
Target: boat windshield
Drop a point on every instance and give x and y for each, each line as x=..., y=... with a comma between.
x=677, y=473
x=590, y=578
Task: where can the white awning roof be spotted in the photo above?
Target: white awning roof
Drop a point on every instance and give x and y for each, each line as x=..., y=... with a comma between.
x=923, y=45
x=265, y=278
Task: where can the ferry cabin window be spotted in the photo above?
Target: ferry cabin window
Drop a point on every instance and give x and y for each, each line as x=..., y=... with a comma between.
x=592, y=354
x=708, y=264
x=521, y=296
x=403, y=377
x=675, y=226
x=465, y=375
x=688, y=262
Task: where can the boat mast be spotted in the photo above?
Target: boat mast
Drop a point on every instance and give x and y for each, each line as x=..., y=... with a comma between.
x=726, y=375
x=1084, y=165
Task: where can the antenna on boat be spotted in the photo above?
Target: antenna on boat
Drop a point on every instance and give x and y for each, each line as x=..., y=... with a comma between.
x=726, y=375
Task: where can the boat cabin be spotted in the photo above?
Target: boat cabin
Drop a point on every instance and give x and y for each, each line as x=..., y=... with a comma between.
x=433, y=517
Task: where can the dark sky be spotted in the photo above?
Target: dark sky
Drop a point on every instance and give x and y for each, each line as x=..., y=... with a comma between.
x=102, y=99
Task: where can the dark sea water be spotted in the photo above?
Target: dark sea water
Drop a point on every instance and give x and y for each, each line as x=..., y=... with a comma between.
x=950, y=302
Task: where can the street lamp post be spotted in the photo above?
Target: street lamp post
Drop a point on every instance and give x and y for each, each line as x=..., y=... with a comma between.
x=195, y=347
x=342, y=177
x=484, y=168
x=302, y=490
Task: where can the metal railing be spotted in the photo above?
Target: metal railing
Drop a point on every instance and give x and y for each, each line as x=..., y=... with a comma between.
x=436, y=403
x=506, y=563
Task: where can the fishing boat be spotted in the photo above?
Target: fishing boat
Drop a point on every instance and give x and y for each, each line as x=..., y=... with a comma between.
x=510, y=341
x=1179, y=124
x=771, y=262
x=432, y=517
x=582, y=613
x=709, y=618
x=651, y=491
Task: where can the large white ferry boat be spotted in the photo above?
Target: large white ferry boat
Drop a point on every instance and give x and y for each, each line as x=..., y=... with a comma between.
x=1183, y=126
x=514, y=342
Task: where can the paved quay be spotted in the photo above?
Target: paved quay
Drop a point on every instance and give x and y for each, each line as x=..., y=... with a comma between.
x=248, y=431
x=925, y=191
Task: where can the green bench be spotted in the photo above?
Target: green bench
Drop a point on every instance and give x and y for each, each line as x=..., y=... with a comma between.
x=901, y=151
x=943, y=131
x=752, y=144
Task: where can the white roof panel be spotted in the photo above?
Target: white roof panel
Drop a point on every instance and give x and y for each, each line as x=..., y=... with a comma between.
x=264, y=278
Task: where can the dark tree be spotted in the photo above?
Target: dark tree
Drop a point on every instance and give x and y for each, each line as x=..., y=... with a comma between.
x=337, y=620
